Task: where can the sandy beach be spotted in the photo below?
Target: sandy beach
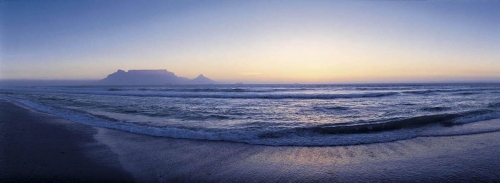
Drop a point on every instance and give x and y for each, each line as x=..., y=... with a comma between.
x=37, y=147
x=41, y=147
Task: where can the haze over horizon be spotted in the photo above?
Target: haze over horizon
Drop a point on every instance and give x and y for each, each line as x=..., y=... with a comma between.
x=253, y=41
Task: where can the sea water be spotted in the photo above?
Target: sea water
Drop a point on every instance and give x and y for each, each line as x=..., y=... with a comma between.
x=299, y=115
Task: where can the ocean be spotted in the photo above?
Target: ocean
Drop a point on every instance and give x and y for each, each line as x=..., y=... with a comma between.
x=276, y=115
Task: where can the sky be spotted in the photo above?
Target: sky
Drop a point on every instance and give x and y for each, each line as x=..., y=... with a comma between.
x=278, y=41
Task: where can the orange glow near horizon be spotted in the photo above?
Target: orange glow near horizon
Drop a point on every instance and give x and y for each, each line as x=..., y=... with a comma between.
x=263, y=42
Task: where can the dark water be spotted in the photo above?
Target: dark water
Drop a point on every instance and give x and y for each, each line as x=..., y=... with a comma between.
x=274, y=114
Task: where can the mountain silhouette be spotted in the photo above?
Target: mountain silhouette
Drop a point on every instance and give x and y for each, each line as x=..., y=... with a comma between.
x=150, y=77
x=202, y=80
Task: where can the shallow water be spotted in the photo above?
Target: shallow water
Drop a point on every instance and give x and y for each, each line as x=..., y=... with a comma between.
x=301, y=115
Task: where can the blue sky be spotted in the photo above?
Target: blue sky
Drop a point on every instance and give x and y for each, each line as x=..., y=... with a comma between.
x=253, y=41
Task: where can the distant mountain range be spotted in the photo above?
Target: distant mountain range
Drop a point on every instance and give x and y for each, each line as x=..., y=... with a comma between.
x=151, y=77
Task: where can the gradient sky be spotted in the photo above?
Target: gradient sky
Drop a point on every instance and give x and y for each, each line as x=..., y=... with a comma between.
x=253, y=41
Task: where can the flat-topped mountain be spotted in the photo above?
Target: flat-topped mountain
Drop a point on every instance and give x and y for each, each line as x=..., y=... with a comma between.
x=150, y=77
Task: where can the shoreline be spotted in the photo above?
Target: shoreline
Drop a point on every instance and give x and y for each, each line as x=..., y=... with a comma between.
x=159, y=159
x=445, y=159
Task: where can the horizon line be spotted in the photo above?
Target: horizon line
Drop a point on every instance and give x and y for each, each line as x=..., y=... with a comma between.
x=88, y=82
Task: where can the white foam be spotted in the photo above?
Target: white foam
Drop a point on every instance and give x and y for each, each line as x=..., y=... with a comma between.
x=252, y=137
x=235, y=136
x=88, y=119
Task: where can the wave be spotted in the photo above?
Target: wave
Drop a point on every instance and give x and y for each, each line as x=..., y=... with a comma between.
x=408, y=104
x=210, y=90
x=115, y=89
x=223, y=95
x=330, y=108
x=460, y=91
x=478, y=117
x=213, y=90
x=494, y=104
x=384, y=125
x=261, y=96
x=241, y=136
x=284, y=134
x=467, y=93
x=384, y=88
x=421, y=92
x=435, y=109
x=436, y=125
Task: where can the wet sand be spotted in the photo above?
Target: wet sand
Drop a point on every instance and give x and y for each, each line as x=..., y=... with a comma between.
x=468, y=158
x=36, y=147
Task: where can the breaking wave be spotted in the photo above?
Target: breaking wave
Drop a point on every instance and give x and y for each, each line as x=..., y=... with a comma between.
x=263, y=133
